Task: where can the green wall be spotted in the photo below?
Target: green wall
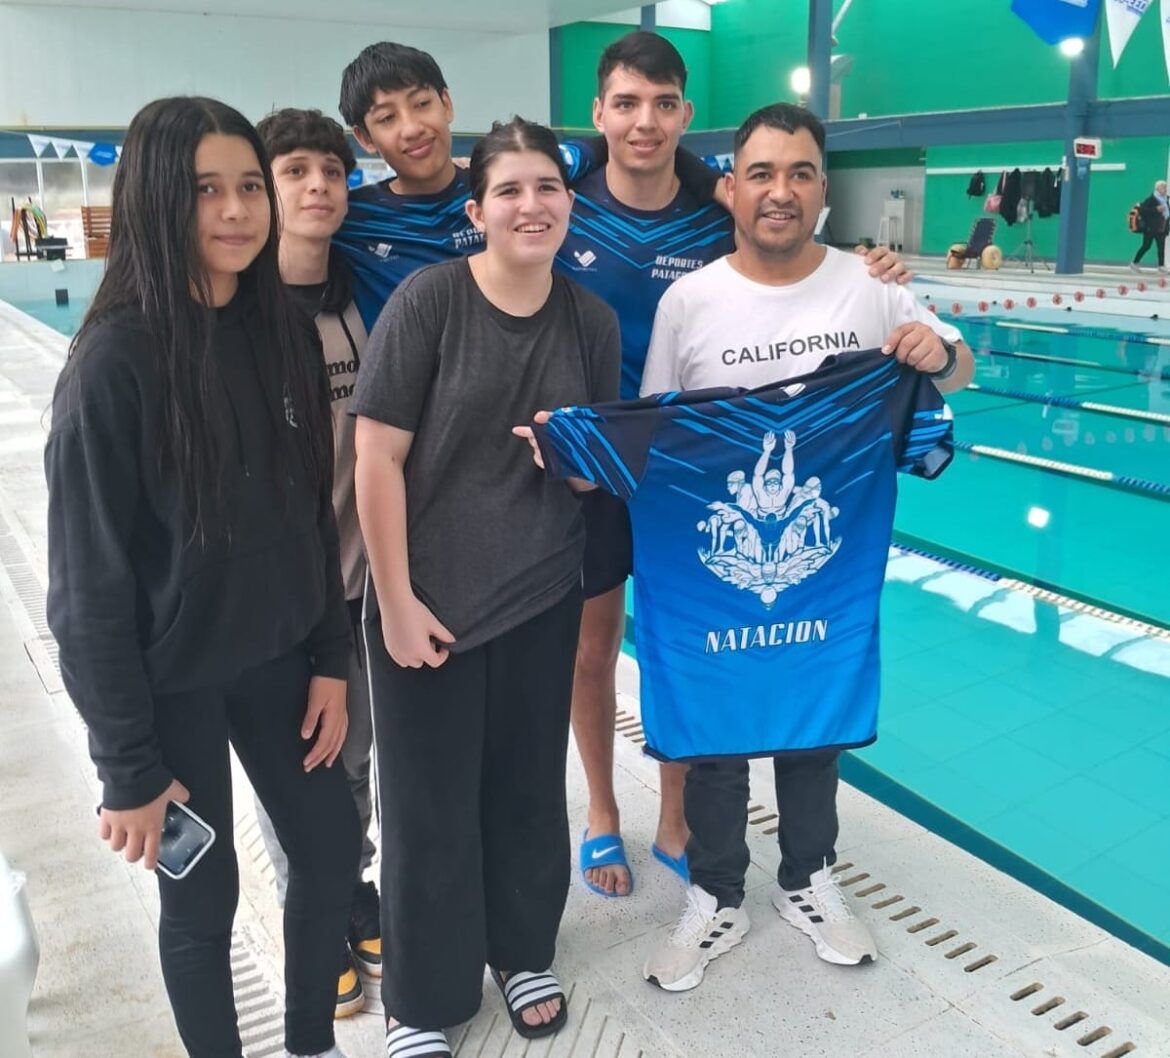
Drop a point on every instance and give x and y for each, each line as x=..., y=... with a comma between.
x=581, y=46
x=948, y=213
x=911, y=57
x=755, y=46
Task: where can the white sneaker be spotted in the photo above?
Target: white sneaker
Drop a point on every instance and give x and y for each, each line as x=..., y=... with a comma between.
x=1135, y=267
x=701, y=933
x=822, y=913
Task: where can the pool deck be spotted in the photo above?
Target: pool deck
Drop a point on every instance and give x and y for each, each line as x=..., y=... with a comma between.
x=973, y=963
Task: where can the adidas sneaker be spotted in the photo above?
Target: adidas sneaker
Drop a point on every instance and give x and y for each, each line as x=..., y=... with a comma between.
x=702, y=933
x=822, y=913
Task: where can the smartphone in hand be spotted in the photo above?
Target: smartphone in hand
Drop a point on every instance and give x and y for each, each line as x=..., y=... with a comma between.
x=184, y=841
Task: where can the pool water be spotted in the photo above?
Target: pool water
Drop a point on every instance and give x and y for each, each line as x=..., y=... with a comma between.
x=63, y=318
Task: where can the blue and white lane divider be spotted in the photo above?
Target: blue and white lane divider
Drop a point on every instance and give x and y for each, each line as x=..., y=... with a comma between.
x=1055, y=466
x=1137, y=414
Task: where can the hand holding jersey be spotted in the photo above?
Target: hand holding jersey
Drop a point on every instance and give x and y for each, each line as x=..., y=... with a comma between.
x=540, y=418
x=917, y=345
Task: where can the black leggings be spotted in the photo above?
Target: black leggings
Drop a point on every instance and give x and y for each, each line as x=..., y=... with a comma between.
x=1148, y=240
x=471, y=776
x=260, y=713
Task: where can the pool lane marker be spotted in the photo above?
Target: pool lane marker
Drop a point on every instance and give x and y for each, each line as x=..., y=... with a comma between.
x=1054, y=466
x=1031, y=327
x=1068, y=361
x=1157, y=417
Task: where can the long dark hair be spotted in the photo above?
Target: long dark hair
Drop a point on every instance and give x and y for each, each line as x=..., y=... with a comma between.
x=154, y=269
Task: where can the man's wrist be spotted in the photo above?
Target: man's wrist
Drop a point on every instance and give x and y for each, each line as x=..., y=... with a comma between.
x=949, y=367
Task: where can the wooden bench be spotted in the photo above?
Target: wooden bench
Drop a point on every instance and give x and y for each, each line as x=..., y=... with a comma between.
x=95, y=223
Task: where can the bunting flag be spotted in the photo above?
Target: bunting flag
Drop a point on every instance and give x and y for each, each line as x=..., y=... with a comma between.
x=103, y=154
x=98, y=153
x=1122, y=18
x=1057, y=20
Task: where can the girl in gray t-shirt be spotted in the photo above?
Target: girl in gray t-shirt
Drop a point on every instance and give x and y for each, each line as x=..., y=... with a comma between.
x=474, y=599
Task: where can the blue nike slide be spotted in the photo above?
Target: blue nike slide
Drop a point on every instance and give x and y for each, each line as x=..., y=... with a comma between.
x=605, y=850
x=679, y=865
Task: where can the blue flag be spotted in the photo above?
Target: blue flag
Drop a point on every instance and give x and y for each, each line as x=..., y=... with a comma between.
x=1057, y=20
x=103, y=154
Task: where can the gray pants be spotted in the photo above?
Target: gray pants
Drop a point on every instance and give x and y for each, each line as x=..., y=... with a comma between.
x=355, y=760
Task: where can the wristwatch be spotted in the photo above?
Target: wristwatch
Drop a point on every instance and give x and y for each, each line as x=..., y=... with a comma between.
x=948, y=368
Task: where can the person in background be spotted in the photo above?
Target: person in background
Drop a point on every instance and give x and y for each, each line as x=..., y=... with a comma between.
x=1155, y=219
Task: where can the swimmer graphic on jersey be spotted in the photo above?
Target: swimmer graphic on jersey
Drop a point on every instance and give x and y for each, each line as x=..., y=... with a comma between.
x=760, y=541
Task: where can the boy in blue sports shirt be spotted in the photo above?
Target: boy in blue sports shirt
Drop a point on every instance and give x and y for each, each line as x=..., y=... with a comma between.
x=635, y=230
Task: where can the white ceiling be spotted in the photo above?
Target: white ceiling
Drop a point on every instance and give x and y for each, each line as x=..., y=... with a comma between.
x=505, y=16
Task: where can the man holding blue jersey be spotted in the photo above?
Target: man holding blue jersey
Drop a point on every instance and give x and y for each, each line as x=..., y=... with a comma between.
x=777, y=308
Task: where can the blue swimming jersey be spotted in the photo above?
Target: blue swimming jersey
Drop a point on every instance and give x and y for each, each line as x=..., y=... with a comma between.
x=628, y=257
x=387, y=236
x=762, y=521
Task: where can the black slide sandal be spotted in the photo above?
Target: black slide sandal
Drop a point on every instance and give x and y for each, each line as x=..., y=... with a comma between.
x=523, y=989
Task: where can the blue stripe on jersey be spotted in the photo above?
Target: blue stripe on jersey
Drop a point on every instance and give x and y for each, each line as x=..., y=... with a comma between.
x=629, y=257
x=386, y=236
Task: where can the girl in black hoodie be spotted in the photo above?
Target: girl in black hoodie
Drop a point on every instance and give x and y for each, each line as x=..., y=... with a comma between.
x=194, y=581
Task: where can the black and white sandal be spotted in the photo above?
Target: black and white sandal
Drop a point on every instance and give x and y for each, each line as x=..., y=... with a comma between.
x=404, y=1042
x=523, y=989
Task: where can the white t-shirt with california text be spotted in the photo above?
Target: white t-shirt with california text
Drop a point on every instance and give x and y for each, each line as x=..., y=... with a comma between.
x=716, y=327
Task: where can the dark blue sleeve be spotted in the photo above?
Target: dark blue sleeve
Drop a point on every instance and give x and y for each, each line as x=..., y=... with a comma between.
x=606, y=444
x=923, y=427
x=582, y=157
x=374, y=277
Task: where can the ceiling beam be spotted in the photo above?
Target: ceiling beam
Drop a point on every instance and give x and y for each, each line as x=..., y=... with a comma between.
x=1106, y=118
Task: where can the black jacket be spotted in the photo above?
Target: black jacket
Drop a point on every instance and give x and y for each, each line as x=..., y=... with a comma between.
x=1009, y=200
x=1153, y=222
x=137, y=606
